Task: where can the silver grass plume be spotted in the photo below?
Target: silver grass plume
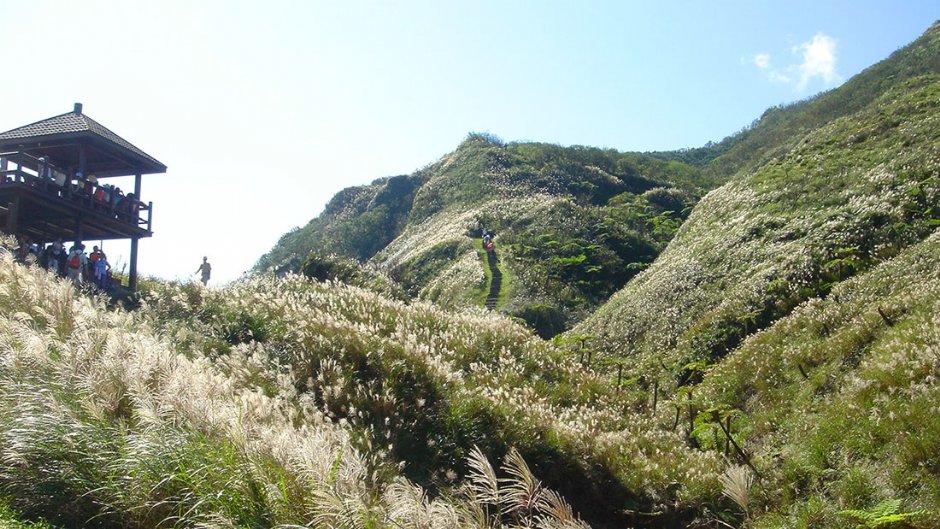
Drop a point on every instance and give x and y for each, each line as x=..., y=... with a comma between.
x=736, y=484
x=483, y=482
x=341, y=511
x=557, y=513
x=409, y=507
x=523, y=491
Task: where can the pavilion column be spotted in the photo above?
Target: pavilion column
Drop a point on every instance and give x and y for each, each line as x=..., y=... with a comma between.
x=13, y=213
x=132, y=278
x=79, y=229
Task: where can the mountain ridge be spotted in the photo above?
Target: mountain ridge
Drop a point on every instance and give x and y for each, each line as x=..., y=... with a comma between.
x=484, y=177
x=770, y=360
x=612, y=212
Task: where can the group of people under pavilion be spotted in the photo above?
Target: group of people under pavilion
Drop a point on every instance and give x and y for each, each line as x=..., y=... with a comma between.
x=54, y=185
x=75, y=263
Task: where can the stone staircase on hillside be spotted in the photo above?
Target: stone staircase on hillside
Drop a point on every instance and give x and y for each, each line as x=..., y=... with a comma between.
x=497, y=280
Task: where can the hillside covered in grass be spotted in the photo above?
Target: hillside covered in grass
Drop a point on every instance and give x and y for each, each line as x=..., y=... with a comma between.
x=842, y=199
x=572, y=225
x=294, y=401
x=755, y=343
x=288, y=402
x=575, y=224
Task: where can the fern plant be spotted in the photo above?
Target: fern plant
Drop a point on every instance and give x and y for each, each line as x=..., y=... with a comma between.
x=884, y=514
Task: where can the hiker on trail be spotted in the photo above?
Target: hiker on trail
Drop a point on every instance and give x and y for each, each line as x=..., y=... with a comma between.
x=75, y=263
x=53, y=257
x=487, y=238
x=92, y=260
x=206, y=269
x=62, y=258
x=102, y=272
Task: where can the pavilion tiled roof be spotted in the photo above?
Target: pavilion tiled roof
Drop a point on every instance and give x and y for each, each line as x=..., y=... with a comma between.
x=69, y=123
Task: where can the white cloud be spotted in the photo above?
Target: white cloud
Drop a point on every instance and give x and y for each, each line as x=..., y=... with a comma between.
x=778, y=77
x=762, y=60
x=818, y=61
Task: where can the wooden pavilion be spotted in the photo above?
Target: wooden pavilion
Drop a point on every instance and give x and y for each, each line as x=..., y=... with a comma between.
x=53, y=183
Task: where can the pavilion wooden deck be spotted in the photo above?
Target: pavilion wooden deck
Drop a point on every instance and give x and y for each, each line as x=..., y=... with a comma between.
x=43, y=210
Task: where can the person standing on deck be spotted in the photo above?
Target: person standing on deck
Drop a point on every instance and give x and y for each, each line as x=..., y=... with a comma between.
x=206, y=269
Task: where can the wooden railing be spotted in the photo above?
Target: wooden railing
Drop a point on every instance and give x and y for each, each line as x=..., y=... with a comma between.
x=37, y=173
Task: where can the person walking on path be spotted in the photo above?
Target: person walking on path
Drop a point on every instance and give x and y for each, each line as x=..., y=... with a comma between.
x=206, y=269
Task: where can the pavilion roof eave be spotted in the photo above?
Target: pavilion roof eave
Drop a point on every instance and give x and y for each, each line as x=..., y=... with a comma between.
x=76, y=128
x=111, y=159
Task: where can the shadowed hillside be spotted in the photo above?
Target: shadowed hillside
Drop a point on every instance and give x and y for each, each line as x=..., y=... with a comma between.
x=357, y=223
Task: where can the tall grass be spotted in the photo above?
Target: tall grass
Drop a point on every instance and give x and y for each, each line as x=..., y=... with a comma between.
x=419, y=386
x=115, y=419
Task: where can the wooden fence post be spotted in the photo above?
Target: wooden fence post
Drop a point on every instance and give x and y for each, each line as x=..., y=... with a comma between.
x=738, y=449
x=727, y=438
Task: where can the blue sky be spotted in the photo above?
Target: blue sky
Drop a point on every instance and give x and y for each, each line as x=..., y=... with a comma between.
x=263, y=110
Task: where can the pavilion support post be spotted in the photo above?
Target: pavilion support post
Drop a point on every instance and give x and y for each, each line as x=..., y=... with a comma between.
x=137, y=183
x=132, y=279
x=79, y=229
x=13, y=213
x=82, y=161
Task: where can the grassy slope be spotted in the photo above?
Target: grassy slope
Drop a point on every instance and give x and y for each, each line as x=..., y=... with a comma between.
x=223, y=406
x=845, y=196
x=293, y=401
x=523, y=191
x=837, y=402
x=357, y=222
x=420, y=387
x=290, y=401
x=248, y=407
